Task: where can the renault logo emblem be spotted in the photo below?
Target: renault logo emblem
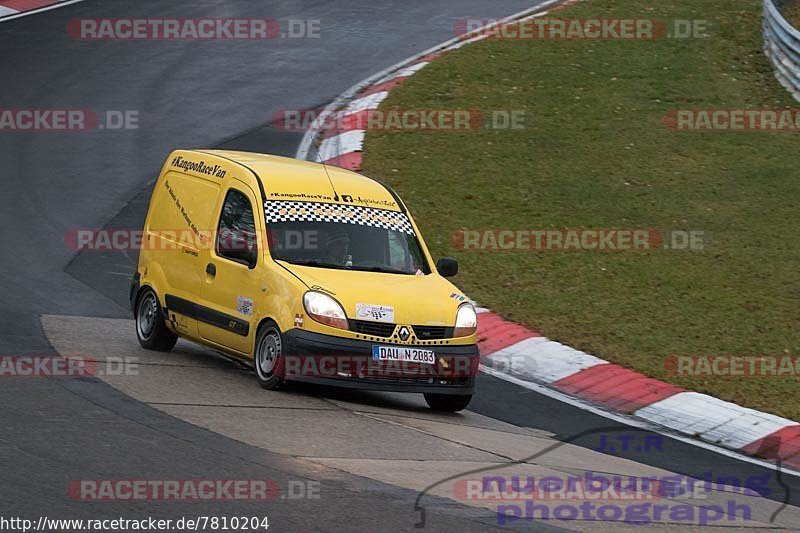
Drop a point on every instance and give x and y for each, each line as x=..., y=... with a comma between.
x=403, y=333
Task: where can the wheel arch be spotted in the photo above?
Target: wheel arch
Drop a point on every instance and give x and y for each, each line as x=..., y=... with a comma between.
x=142, y=288
x=267, y=320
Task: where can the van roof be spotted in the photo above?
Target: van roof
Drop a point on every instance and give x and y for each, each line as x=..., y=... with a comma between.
x=287, y=179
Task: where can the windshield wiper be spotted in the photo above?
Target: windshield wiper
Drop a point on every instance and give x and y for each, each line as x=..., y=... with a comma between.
x=320, y=264
x=385, y=270
x=314, y=263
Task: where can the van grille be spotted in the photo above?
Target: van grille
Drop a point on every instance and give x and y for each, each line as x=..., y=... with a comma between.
x=426, y=333
x=376, y=329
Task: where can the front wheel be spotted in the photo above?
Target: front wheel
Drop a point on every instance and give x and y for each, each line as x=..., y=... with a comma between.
x=267, y=357
x=448, y=403
x=151, y=330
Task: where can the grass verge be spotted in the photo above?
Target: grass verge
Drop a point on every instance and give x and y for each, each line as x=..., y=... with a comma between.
x=791, y=10
x=595, y=153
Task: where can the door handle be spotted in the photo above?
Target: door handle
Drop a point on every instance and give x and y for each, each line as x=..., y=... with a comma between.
x=211, y=269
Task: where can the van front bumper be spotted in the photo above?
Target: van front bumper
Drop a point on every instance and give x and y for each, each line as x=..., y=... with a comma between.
x=328, y=360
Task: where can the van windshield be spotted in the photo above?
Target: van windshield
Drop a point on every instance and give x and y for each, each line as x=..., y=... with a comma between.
x=343, y=237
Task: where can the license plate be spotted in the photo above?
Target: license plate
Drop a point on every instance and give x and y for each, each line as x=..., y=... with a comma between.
x=395, y=353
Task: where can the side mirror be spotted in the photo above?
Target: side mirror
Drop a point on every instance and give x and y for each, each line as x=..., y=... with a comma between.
x=447, y=267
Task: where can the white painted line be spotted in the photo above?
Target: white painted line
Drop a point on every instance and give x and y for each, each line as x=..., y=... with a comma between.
x=540, y=359
x=371, y=101
x=39, y=10
x=712, y=419
x=404, y=72
x=686, y=412
x=633, y=422
x=345, y=143
x=746, y=430
x=5, y=11
x=456, y=46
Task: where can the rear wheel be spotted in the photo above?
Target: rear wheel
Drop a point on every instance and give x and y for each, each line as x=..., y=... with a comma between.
x=448, y=403
x=267, y=357
x=151, y=330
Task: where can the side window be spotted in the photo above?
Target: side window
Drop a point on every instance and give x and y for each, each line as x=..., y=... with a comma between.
x=236, y=233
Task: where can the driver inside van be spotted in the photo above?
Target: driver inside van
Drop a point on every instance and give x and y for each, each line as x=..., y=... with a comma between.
x=337, y=248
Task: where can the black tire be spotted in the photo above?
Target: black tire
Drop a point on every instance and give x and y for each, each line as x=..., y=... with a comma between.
x=267, y=357
x=151, y=330
x=448, y=403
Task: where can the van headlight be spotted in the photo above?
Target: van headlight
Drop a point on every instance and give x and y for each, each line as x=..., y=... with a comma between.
x=325, y=309
x=466, y=321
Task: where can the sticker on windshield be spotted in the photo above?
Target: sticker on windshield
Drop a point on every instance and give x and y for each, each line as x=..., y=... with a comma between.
x=284, y=211
x=381, y=313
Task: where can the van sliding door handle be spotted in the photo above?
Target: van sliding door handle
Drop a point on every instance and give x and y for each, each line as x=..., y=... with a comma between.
x=211, y=269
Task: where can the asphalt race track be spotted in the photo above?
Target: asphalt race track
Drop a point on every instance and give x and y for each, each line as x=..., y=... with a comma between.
x=193, y=414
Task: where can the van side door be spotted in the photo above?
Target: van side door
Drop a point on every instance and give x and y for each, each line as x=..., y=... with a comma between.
x=173, y=244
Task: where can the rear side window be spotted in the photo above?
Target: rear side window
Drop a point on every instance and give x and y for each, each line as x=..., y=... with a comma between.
x=236, y=233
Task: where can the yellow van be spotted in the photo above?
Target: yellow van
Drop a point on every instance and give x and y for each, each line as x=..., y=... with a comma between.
x=304, y=271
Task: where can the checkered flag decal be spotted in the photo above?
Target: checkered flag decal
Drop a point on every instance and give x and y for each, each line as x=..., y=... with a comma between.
x=286, y=211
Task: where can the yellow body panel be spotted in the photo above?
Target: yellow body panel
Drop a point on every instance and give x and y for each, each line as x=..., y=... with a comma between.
x=290, y=179
x=187, y=200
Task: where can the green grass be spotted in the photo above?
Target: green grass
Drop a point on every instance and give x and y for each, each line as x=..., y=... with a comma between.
x=596, y=154
x=791, y=10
